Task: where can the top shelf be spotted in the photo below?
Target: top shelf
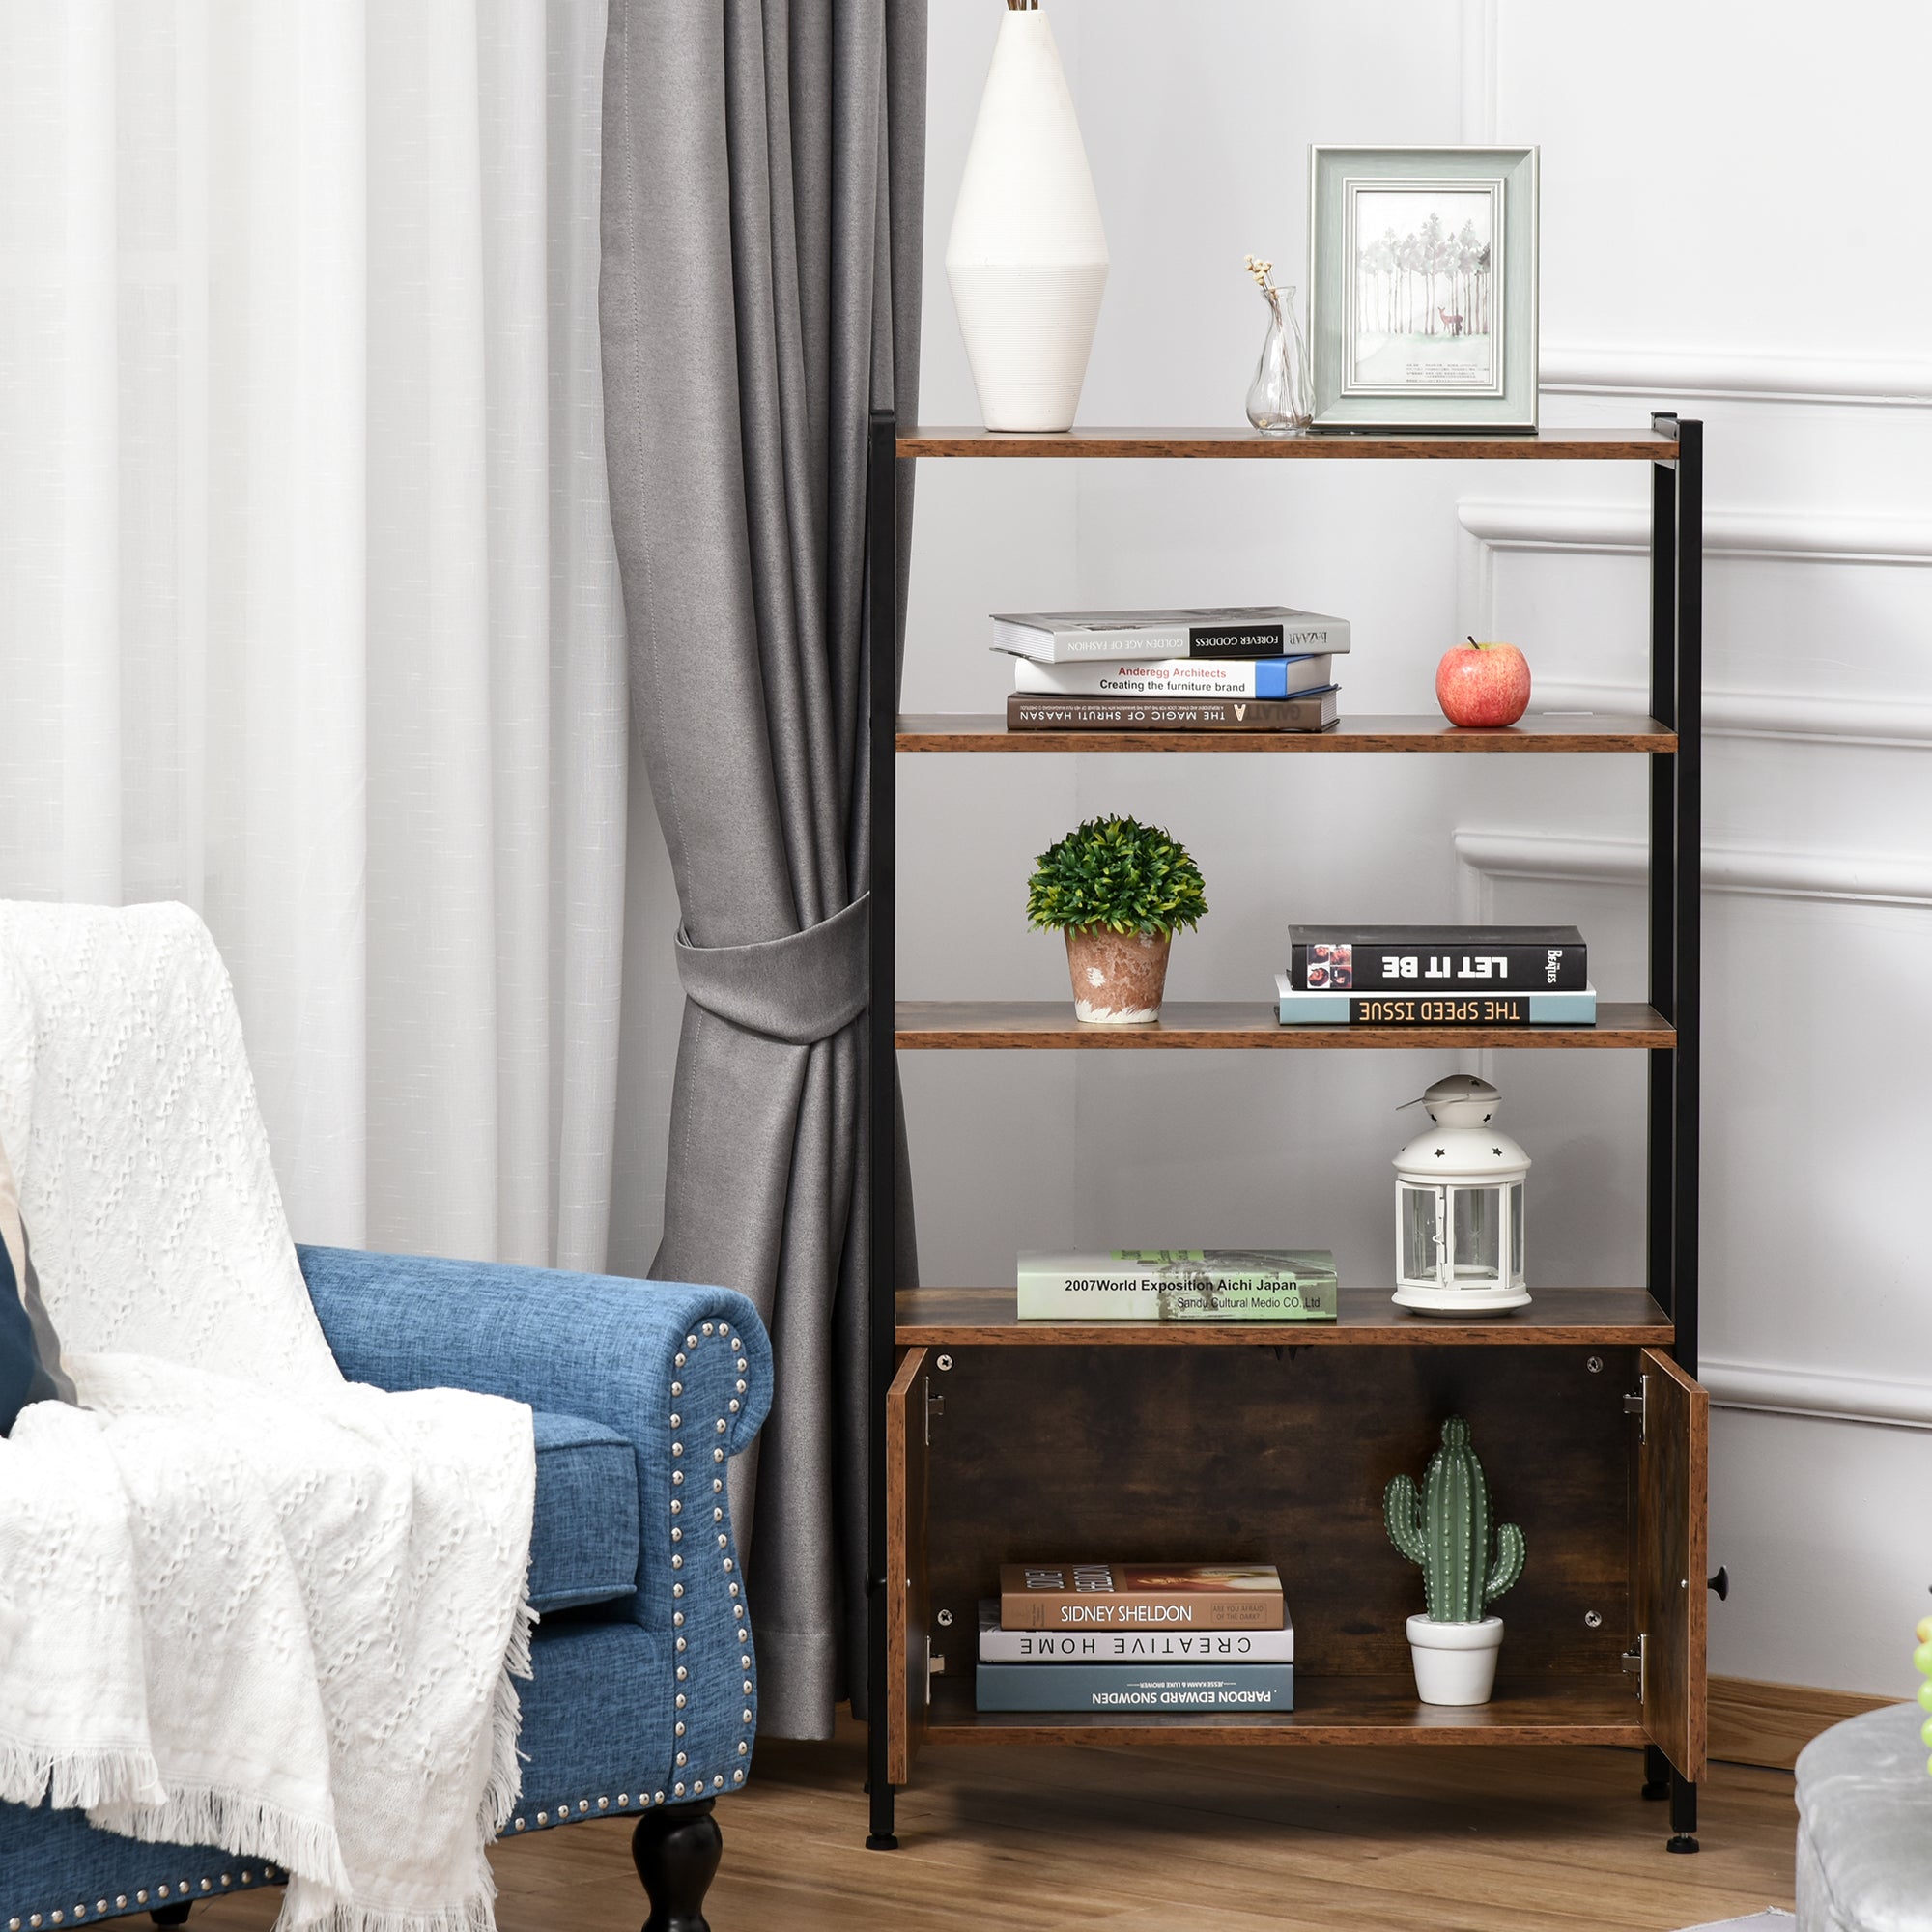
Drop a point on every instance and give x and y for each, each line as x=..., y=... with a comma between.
x=1552, y=446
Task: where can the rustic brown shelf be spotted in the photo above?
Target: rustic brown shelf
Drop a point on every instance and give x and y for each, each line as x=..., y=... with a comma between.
x=927, y=1026
x=1540, y=1710
x=999, y=1441
x=965, y=1317
x=975, y=731
x=1558, y=445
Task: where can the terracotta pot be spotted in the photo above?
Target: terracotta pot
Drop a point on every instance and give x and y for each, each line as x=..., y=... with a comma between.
x=1117, y=977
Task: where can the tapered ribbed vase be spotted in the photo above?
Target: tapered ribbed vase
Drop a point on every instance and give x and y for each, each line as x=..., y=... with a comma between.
x=1028, y=257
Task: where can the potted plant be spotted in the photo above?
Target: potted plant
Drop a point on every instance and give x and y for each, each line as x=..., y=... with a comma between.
x=1467, y=1561
x=1119, y=891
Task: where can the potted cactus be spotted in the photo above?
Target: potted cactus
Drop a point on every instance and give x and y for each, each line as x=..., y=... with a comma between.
x=1468, y=1560
x=1119, y=891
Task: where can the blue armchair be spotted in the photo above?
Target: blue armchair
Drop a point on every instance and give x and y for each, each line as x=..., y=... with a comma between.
x=642, y=1695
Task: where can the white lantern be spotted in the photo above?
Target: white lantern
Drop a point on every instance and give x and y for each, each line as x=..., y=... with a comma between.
x=1458, y=1206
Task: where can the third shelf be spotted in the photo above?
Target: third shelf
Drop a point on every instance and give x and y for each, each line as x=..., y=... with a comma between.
x=955, y=1025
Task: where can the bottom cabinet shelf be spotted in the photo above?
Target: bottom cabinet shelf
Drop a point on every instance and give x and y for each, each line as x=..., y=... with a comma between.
x=1545, y=1709
x=1069, y=1452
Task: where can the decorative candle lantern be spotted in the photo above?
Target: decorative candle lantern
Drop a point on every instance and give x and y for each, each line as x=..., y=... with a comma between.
x=1458, y=1206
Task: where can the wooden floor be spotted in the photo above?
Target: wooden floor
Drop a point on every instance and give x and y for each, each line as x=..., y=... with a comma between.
x=1185, y=1840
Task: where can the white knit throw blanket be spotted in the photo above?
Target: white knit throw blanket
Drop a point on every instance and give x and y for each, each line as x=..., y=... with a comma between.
x=243, y=1602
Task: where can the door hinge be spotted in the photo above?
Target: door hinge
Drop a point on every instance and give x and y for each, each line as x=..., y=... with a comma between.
x=1634, y=1662
x=1639, y=1405
x=935, y=1404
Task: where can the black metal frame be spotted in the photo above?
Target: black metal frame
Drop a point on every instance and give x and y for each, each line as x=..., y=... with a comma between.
x=1676, y=840
x=1676, y=927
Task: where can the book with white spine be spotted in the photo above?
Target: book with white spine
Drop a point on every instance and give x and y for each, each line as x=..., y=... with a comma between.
x=1179, y=678
x=1145, y=1646
x=1232, y=632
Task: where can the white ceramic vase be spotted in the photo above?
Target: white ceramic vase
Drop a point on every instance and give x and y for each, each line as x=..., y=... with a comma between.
x=1455, y=1663
x=1027, y=258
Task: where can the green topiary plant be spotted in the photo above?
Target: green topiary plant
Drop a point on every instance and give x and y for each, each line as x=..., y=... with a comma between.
x=1118, y=875
x=1447, y=1529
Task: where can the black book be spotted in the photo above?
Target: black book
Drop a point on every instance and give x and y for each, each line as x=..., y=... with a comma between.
x=1421, y=959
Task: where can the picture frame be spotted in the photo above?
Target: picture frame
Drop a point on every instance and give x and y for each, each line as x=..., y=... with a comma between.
x=1422, y=288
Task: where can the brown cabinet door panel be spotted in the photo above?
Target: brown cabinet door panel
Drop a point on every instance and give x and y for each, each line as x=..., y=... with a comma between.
x=908, y=1684
x=1674, y=1558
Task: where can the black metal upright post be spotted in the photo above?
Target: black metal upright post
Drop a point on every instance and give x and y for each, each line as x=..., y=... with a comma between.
x=1688, y=1011
x=1676, y=927
x=1662, y=1191
x=881, y=1083
x=1676, y=871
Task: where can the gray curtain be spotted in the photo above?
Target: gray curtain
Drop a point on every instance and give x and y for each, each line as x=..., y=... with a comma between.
x=763, y=203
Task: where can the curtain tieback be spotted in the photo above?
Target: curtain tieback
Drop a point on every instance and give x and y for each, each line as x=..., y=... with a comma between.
x=804, y=987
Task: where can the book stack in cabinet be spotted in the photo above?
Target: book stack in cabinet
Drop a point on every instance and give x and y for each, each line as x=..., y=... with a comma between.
x=1195, y=1445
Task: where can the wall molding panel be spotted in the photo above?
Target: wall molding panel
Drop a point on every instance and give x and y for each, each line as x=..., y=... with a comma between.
x=1620, y=530
x=1842, y=878
x=1488, y=855
x=1715, y=376
x=1770, y=1388
x=1789, y=716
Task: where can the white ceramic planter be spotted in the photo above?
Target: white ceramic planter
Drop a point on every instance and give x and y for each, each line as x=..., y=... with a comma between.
x=1027, y=258
x=1455, y=1663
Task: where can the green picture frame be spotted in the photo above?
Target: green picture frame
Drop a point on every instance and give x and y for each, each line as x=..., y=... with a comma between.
x=1422, y=280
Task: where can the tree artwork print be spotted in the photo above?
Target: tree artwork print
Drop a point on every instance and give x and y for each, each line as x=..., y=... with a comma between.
x=1423, y=310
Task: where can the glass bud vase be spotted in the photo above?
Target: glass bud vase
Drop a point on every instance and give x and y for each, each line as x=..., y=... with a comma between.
x=1279, y=397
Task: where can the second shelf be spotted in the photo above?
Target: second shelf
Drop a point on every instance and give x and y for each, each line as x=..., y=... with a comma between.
x=1549, y=731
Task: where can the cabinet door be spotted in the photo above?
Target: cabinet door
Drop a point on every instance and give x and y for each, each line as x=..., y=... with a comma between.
x=908, y=1613
x=1672, y=1560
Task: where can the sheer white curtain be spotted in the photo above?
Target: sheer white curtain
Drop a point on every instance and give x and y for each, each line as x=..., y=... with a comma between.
x=308, y=615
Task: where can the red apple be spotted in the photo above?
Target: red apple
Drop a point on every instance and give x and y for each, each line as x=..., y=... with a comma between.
x=1484, y=685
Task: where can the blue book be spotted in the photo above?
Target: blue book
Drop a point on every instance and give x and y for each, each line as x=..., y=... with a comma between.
x=1461, y=1009
x=1269, y=678
x=1135, y=1687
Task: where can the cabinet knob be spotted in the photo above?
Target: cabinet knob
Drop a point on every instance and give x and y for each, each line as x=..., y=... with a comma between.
x=1721, y=1583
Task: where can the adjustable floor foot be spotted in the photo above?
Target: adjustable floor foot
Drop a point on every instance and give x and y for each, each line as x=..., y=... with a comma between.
x=1683, y=1815
x=881, y=1837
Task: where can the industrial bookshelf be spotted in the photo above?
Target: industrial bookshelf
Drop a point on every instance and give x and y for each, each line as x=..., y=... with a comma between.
x=1200, y=1442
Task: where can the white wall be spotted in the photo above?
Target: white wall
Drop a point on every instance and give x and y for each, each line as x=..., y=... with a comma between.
x=1728, y=229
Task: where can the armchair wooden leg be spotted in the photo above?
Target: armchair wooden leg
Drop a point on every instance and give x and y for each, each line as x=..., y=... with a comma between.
x=678, y=1851
x=171, y=1915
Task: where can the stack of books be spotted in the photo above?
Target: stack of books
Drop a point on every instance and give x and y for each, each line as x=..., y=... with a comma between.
x=1136, y=1637
x=1263, y=668
x=1437, y=976
x=1180, y=1284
